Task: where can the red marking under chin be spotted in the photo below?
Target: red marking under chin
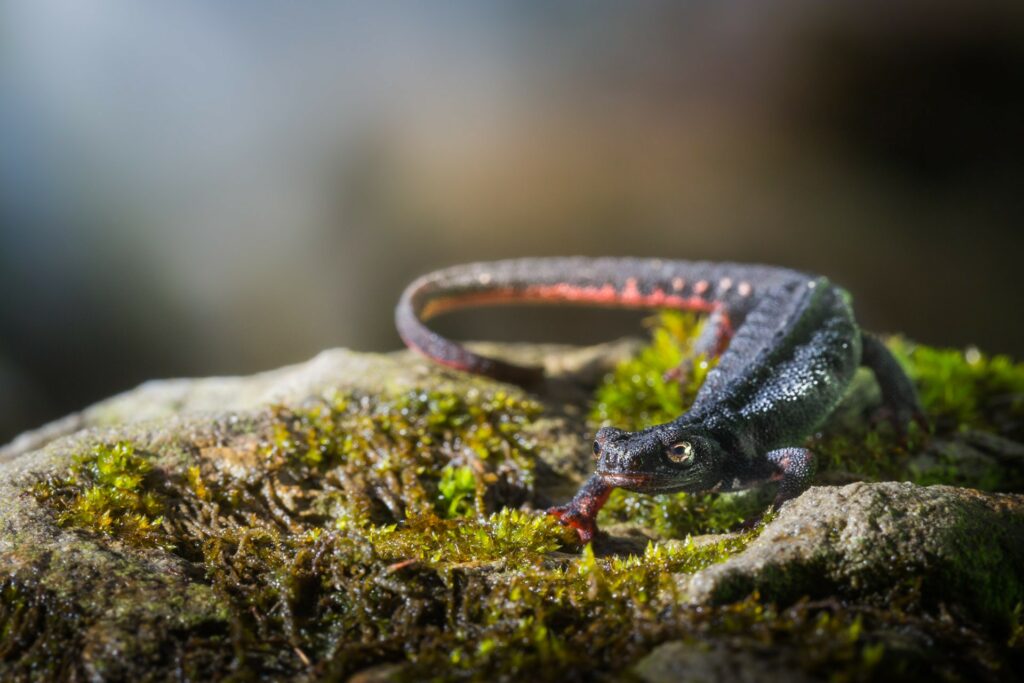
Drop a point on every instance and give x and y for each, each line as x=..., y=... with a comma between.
x=605, y=295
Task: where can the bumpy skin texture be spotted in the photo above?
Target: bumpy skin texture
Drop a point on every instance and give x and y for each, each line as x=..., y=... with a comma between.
x=789, y=347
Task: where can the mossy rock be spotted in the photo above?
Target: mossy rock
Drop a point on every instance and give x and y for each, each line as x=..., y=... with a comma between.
x=953, y=545
x=375, y=515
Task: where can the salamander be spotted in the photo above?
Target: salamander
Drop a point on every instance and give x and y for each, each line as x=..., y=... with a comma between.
x=787, y=345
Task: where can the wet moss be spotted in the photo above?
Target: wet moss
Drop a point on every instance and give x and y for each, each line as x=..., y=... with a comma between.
x=959, y=391
x=456, y=598
x=419, y=452
x=106, y=491
x=660, y=382
x=681, y=514
x=594, y=614
x=457, y=490
x=397, y=529
x=1016, y=639
x=39, y=631
x=827, y=640
x=966, y=389
x=374, y=530
x=872, y=453
x=509, y=537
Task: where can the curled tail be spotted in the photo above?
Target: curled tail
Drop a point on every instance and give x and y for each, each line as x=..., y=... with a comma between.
x=447, y=290
x=617, y=282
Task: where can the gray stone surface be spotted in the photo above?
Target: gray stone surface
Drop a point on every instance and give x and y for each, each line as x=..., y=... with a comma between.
x=711, y=662
x=965, y=547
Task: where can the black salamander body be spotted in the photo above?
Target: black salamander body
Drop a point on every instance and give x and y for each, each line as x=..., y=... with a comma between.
x=788, y=346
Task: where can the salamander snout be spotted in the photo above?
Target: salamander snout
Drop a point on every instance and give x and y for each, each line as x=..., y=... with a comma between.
x=609, y=441
x=608, y=434
x=620, y=451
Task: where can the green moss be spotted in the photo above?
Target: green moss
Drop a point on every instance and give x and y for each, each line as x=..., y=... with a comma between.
x=833, y=642
x=1016, y=639
x=984, y=569
x=415, y=453
x=677, y=515
x=959, y=390
x=391, y=529
x=510, y=537
x=39, y=631
x=379, y=530
x=642, y=391
x=456, y=491
x=966, y=389
x=515, y=627
x=592, y=615
x=105, y=491
x=455, y=598
x=864, y=452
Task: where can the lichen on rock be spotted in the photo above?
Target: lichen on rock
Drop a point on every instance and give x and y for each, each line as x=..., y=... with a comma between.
x=375, y=515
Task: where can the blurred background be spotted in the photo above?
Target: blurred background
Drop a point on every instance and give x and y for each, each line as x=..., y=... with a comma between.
x=197, y=187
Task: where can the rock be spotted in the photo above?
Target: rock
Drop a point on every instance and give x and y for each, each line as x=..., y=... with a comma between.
x=710, y=662
x=78, y=603
x=964, y=546
x=291, y=525
x=332, y=371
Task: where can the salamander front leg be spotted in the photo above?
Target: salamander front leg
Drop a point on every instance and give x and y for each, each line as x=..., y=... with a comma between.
x=580, y=513
x=795, y=469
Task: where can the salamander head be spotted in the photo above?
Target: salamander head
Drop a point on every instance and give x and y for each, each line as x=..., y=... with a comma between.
x=661, y=459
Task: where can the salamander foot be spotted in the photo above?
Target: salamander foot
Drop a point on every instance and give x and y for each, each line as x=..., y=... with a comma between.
x=580, y=513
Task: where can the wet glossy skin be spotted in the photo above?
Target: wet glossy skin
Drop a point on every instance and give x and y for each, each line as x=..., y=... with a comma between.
x=789, y=347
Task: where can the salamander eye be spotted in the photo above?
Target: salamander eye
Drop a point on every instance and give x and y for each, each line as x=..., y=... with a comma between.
x=681, y=453
x=597, y=449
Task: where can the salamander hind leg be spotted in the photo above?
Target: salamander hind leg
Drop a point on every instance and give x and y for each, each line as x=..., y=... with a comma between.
x=711, y=342
x=900, y=405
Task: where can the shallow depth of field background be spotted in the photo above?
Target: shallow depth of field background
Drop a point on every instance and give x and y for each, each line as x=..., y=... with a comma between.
x=197, y=187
